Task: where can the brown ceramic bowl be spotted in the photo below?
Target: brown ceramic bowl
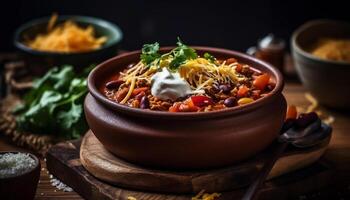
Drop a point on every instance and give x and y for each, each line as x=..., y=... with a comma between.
x=327, y=80
x=22, y=187
x=184, y=140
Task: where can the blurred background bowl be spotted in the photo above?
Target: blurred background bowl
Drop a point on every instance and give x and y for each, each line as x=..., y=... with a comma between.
x=77, y=59
x=327, y=80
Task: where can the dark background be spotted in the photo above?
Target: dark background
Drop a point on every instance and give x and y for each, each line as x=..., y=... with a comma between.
x=233, y=24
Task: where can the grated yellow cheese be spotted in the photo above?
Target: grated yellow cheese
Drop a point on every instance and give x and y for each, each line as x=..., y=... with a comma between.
x=205, y=196
x=199, y=73
x=200, y=70
x=313, y=101
x=132, y=86
x=67, y=37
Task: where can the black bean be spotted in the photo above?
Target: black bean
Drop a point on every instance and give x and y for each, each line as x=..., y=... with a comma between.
x=140, y=95
x=114, y=84
x=226, y=89
x=144, y=104
x=305, y=119
x=230, y=102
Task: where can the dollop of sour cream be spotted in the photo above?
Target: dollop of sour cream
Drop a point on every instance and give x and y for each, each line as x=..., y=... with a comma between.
x=168, y=85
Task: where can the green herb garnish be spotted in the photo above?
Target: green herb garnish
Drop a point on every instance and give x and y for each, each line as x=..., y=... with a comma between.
x=150, y=53
x=178, y=56
x=209, y=57
x=181, y=54
x=55, y=104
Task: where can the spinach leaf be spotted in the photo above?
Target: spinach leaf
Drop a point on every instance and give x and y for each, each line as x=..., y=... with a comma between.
x=55, y=104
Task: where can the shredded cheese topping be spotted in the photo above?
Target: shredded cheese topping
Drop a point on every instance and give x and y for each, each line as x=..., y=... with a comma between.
x=132, y=86
x=200, y=73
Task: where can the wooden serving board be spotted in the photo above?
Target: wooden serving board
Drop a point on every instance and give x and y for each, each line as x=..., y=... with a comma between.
x=122, y=180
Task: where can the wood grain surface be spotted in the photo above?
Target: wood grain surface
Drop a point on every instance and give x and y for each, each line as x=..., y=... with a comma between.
x=63, y=161
x=107, y=167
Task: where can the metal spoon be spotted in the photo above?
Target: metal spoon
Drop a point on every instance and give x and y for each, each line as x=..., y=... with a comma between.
x=295, y=133
x=314, y=139
x=314, y=134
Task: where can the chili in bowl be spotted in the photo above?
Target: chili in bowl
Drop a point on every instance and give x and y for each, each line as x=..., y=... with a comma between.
x=148, y=109
x=198, y=84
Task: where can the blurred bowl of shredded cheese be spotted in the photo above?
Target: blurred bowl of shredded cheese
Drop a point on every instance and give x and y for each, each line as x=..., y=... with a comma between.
x=75, y=40
x=321, y=53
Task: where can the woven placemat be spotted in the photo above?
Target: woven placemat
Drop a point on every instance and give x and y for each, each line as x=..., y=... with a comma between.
x=17, y=78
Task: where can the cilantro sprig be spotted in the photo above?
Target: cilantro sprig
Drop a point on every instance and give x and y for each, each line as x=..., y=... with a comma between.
x=179, y=55
x=150, y=53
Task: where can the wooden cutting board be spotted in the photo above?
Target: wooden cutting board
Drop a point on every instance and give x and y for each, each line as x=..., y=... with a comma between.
x=122, y=180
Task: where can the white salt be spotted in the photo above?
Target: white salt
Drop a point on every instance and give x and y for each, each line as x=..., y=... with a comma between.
x=59, y=185
x=15, y=164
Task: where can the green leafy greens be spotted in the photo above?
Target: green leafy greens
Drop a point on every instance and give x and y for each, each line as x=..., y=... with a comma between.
x=55, y=104
x=179, y=55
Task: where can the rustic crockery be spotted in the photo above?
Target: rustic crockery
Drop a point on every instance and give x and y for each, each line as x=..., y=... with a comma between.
x=327, y=80
x=21, y=187
x=184, y=140
x=83, y=59
x=270, y=49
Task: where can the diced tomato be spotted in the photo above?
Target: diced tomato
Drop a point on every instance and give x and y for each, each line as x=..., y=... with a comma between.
x=261, y=81
x=230, y=61
x=138, y=90
x=175, y=107
x=239, y=67
x=201, y=101
x=242, y=91
x=184, y=108
x=188, y=107
x=191, y=105
x=292, y=112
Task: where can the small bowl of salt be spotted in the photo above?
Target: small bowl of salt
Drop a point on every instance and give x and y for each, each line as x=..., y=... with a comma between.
x=19, y=175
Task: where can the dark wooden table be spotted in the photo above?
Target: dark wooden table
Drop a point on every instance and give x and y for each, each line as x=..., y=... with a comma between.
x=338, y=153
